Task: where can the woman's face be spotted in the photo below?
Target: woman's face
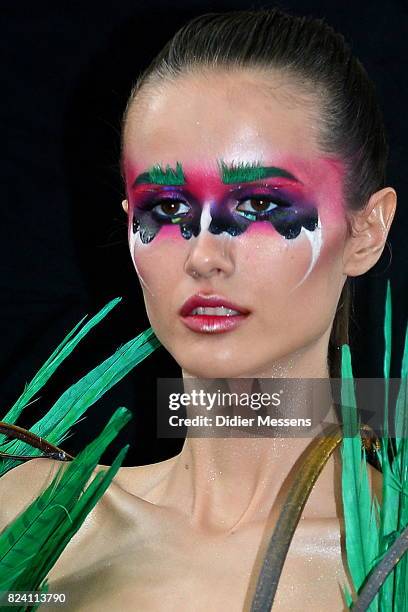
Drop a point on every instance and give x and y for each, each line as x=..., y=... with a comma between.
x=230, y=197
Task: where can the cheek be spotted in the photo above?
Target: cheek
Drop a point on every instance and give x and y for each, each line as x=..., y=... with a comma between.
x=279, y=276
x=159, y=263
x=292, y=275
x=263, y=256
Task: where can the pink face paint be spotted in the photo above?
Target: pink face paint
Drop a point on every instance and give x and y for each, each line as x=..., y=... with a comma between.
x=275, y=200
x=287, y=201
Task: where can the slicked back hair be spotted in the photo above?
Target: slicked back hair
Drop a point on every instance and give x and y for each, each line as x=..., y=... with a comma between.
x=316, y=57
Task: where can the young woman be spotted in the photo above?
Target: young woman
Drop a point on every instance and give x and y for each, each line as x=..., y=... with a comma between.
x=254, y=160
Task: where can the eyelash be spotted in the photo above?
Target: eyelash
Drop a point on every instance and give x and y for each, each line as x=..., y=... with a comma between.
x=257, y=198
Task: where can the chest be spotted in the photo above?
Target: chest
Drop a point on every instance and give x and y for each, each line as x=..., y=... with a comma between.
x=175, y=568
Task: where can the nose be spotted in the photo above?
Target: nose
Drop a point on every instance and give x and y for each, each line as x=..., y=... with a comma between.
x=210, y=255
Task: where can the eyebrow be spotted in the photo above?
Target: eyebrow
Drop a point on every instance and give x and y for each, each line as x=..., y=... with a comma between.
x=234, y=173
x=159, y=176
x=252, y=171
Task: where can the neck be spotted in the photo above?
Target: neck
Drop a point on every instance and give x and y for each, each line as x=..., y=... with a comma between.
x=226, y=482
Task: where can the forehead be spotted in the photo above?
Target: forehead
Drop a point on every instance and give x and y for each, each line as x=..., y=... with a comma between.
x=202, y=117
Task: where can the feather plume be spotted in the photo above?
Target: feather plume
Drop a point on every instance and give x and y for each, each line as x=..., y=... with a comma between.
x=54, y=360
x=359, y=511
x=31, y=544
x=54, y=426
x=371, y=528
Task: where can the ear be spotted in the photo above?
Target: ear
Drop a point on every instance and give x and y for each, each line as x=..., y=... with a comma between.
x=125, y=206
x=369, y=231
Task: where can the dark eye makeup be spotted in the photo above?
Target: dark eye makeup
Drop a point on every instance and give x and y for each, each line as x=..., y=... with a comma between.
x=233, y=212
x=252, y=205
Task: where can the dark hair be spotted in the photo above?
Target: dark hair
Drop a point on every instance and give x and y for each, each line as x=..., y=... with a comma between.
x=313, y=54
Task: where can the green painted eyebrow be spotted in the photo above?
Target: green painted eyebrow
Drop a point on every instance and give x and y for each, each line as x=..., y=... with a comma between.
x=247, y=172
x=158, y=176
x=234, y=173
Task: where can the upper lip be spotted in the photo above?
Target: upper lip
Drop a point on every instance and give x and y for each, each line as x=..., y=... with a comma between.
x=208, y=301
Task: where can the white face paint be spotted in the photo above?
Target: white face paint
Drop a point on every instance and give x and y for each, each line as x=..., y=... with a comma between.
x=204, y=118
x=314, y=237
x=316, y=240
x=205, y=218
x=136, y=243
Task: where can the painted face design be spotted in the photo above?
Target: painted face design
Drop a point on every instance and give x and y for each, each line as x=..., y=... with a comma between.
x=286, y=212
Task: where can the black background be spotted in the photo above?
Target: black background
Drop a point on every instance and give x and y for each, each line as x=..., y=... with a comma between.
x=67, y=70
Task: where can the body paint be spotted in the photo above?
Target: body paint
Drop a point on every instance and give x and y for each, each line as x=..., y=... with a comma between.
x=207, y=204
x=316, y=240
x=288, y=216
x=288, y=221
x=156, y=175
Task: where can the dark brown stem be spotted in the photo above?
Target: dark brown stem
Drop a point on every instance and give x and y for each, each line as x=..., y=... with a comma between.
x=381, y=571
x=319, y=452
x=49, y=450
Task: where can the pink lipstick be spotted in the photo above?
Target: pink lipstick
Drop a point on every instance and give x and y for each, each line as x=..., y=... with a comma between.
x=211, y=314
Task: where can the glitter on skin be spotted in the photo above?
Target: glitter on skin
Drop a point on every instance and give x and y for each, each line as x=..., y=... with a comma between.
x=319, y=183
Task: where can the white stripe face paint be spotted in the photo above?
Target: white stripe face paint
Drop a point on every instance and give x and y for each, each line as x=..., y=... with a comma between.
x=133, y=239
x=316, y=240
x=136, y=243
x=205, y=221
x=314, y=237
x=205, y=218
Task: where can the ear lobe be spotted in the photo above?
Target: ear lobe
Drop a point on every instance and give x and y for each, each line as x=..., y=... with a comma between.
x=125, y=206
x=369, y=231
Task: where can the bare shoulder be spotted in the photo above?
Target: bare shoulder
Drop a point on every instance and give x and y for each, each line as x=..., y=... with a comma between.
x=120, y=522
x=121, y=514
x=21, y=485
x=142, y=480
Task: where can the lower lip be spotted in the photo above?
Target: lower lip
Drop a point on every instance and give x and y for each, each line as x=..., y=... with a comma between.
x=212, y=324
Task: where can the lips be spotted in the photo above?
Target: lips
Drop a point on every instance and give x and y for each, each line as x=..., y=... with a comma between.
x=226, y=316
x=200, y=301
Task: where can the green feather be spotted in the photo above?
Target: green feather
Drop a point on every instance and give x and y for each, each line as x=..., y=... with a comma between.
x=54, y=360
x=387, y=332
x=399, y=468
x=359, y=512
x=32, y=543
x=388, y=523
x=72, y=404
x=391, y=517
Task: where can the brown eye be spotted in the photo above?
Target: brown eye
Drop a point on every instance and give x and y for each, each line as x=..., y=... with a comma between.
x=169, y=208
x=260, y=205
x=256, y=205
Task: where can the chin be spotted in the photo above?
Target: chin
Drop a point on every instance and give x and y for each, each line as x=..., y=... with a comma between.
x=213, y=369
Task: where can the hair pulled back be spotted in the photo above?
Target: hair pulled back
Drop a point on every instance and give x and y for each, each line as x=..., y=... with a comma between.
x=317, y=57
